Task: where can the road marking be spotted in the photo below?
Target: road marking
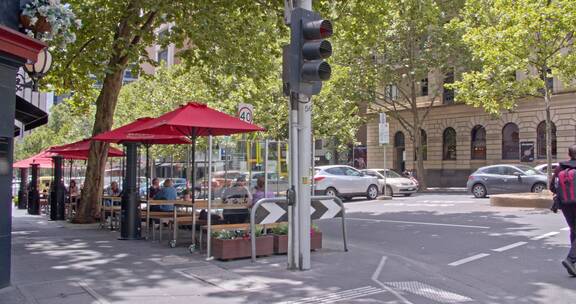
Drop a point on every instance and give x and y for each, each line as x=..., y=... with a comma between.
x=504, y=248
x=469, y=259
x=417, y=223
x=339, y=296
x=375, y=276
x=545, y=235
x=430, y=292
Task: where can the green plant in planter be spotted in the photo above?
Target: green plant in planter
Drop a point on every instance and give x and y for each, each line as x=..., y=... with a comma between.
x=281, y=229
x=236, y=234
x=314, y=229
x=60, y=19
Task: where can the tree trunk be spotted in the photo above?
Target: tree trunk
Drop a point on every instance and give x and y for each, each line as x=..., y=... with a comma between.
x=93, y=184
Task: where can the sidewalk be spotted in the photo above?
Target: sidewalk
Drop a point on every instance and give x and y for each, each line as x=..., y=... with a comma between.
x=58, y=262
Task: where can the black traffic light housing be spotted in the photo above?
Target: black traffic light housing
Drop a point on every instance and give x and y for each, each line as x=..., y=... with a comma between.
x=307, y=51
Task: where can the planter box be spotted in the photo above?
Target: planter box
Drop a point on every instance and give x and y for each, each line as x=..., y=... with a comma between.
x=240, y=248
x=281, y=243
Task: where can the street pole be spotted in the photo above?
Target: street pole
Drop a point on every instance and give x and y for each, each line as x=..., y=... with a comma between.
x=385, y=172
x=293, y=244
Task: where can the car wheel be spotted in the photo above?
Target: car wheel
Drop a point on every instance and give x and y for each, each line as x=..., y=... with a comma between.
x=372, y=192
x=539, y=187
x=389, y=191
x=331, y=192
x=479, y=191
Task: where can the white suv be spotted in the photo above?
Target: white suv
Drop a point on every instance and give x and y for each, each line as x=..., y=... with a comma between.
x=345, y=182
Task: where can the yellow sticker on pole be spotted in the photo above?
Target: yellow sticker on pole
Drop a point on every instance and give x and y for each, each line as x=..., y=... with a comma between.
x=305, y=180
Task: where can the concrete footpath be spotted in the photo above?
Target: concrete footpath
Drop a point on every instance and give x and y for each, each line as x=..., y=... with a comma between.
x=58, y=262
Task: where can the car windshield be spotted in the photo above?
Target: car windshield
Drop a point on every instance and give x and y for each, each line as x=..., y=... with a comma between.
x=528, y=170
x=389, y=174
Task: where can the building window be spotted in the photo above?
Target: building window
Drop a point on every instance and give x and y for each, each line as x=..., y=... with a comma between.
x=162, y=56
x=510, y=141
x=424, y=87
x=449, y=144
x=448, y=96
x=391, y=92
x=399, y=140
x=541, y=139
x=423, y=144
x=478, y=139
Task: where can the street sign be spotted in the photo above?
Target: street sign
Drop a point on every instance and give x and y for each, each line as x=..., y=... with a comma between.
x=383, y=133
x=271, y=213
x=246, y=112
x=325, y=209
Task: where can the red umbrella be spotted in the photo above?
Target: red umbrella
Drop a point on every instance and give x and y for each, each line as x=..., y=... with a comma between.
x=124, y=134
x=42, y=159
x=80, y=149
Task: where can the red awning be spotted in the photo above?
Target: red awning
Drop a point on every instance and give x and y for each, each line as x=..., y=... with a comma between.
x=123, y=134
x=196, y=119
x=42, y=159
x=80, y=149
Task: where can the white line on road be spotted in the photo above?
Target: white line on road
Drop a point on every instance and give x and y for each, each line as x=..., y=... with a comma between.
x=391, y=290
x=339, y=296
x=508, y=247
x=469, y=259
x=544, y=235
x=417, y=223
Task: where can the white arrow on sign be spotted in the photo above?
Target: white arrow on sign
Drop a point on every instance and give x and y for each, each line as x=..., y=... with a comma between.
x=333, y=209
x=275, y=213
x=312, y=210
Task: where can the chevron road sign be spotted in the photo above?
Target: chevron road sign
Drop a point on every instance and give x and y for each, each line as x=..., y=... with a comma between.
x=270, y=213
x=325, y=209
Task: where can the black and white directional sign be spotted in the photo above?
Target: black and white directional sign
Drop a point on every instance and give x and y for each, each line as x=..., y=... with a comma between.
x=269, y=213
x=325, y=209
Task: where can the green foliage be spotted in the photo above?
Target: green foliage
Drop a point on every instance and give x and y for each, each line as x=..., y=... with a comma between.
x=236, y=234
x=505, y=37
x=65, y=125
x=281, y=229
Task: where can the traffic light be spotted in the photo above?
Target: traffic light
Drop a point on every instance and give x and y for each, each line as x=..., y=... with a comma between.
x=307, y=51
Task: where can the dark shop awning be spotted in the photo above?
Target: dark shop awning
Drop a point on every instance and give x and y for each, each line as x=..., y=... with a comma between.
x=29, y=115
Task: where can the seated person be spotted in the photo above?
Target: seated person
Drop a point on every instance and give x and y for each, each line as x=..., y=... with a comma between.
x=237, y=194
x=259, y=193
x=113, y=190
x=168, y=192
x=155, y=188
x=73, y=191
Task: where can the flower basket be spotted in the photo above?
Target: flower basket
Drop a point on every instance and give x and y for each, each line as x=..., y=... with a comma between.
x=241, y=247
x=281, y=242
x=41, y=26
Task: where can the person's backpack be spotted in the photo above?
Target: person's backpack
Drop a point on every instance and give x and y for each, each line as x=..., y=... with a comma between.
x=565, y=186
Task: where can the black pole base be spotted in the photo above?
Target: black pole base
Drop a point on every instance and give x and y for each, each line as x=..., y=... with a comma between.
x=130, y=228
x=34, y=202
x=22, y=199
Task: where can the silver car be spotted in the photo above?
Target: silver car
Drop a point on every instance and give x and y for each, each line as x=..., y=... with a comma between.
x=395, y=183
x=506, y=179
x=345, y=182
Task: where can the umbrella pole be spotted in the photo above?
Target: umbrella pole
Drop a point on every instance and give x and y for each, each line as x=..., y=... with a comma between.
x=147, y=172
x=209, y=232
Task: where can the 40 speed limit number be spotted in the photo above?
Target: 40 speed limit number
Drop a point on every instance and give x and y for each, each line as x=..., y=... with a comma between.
x=245, y=113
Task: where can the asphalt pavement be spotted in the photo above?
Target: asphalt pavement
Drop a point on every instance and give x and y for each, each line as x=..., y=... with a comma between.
x=429, y=248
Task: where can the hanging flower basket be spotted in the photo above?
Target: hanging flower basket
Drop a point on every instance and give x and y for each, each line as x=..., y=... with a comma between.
x=41, y=25
x=49, y=20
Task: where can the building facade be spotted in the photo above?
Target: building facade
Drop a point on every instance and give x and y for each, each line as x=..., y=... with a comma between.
x=458, y=138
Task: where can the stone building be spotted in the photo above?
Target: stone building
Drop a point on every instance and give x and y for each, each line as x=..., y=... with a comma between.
x=459, y=138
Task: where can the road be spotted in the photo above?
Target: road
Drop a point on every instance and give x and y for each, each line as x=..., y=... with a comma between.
x=429, y=248
x=439, y=248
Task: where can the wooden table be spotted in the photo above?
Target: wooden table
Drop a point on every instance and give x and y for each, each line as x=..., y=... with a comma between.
x=112, y=209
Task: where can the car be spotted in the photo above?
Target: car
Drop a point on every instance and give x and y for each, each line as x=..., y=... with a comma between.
x=345, y=182
x=542, y=167
x=395, y=183
x=276, y=183
x=506, y=179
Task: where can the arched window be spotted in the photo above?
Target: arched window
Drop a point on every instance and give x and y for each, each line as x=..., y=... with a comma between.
x=423, y=144
x=510, y=141
x=541, y=139
x=478, y=141
x=399, y=140
x=449, y=144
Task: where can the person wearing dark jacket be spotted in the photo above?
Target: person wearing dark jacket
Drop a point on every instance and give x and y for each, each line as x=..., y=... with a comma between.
x=569, y=211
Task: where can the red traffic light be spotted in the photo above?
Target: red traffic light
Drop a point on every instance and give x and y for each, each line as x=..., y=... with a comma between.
x=318, y=29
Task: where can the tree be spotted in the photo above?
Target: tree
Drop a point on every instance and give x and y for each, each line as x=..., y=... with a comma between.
x=230, y=37
x=389, y=47
x=532, y=37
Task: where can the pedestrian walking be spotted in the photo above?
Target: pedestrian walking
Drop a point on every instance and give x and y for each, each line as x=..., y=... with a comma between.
x=563, y=186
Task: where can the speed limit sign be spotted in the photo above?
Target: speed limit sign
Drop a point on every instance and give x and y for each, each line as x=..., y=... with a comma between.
x=245, y=112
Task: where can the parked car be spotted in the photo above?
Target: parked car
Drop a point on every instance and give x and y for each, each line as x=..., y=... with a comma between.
x=345, y=182
x=276, y=183
x=506, y=179
x=542, y=168
x=395, y=183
